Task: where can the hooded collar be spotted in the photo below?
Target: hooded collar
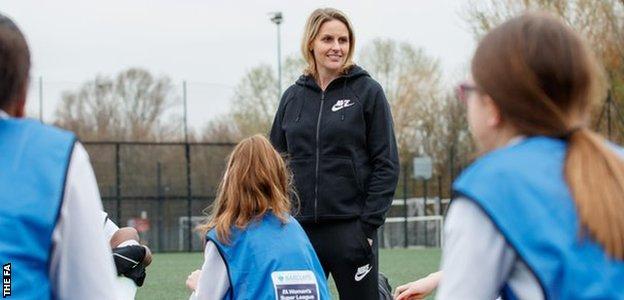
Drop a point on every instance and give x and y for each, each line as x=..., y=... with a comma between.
x=354, y=72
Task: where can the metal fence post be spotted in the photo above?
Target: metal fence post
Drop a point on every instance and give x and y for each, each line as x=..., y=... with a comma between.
x=425, y=209
x=425, y=192
x=452, y=169
x=118, y=183
x=159, y=194
x=439, y=210
x=405, y=205
x=187, y=154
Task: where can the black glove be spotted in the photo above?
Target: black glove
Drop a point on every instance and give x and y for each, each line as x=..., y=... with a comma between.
x=128, y=262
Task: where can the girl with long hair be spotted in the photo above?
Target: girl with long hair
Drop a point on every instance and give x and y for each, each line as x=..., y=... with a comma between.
x=540, y=214
x=254, y=248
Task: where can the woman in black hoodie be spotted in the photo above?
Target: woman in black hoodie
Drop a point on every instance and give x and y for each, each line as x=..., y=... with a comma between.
x=335, y=126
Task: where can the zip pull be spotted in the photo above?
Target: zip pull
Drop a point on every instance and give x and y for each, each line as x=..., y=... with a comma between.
x=342, y=117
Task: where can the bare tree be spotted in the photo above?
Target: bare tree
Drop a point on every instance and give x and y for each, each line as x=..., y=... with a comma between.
x=411, y=80
x=601, y=23
x=222, y=129
x=292, y=68
x=130, y=107
x=254, y=103
x=426, y=118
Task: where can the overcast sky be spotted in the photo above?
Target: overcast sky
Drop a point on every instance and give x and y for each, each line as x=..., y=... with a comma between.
x=210, y=44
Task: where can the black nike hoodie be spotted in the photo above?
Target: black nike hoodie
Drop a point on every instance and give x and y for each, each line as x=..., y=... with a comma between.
x=341, y=148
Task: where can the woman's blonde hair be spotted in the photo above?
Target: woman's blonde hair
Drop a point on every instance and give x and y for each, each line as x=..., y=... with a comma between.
x=312, y=27
x=256, y=180
x=545, y=80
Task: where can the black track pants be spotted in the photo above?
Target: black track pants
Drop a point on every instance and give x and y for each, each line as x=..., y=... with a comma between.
x=345, y=253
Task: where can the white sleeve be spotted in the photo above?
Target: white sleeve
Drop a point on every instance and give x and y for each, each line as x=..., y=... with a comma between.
x=109, y=227
x=81, y=262
x=476, y=259
x=213, y=280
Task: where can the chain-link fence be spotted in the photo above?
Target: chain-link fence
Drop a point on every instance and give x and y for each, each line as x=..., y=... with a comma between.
x=158, y=187
x=163, y=189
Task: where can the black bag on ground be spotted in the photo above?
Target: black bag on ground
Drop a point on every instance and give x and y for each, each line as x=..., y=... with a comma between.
x=385, y=290
x=128, y=262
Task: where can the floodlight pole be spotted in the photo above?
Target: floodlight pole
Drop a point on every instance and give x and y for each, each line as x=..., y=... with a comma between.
x=277, y=18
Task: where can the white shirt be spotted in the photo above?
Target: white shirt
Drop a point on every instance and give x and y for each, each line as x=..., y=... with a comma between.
x=213, y=280
x=82, y=263
x=477, y=260
x=109, y=226
x=126, y=288
x=81, y=260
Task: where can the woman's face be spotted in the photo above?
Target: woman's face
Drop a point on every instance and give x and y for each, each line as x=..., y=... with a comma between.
x=331, y=47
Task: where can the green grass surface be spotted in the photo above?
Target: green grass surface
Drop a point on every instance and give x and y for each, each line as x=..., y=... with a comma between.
x=167, y=274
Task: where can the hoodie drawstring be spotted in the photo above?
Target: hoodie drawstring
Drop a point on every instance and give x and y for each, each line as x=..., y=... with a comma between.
x=344, y=88
x=299, y=111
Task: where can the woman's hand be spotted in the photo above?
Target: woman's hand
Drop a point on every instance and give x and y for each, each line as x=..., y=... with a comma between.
x=191, y=280
x=418, y=289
